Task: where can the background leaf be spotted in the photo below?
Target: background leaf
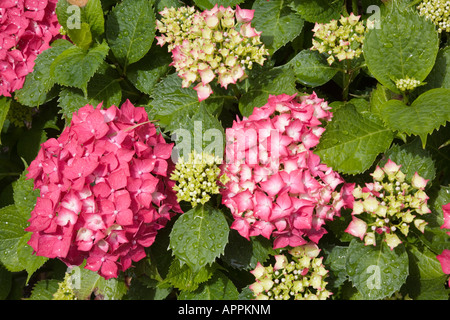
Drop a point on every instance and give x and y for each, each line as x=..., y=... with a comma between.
x=353, y=140
x=321, y=11
x=311, y=69
x=199, y=236
x=277, y=22
x=408, y=44
x=130, y=30
x=376, y=271
x=427, y=113
x=75, y=66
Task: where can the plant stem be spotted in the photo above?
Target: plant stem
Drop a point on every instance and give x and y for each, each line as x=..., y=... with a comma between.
x=355, y=7
x=347, y=78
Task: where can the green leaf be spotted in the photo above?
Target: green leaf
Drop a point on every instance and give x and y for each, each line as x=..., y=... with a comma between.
x=5, y=103
x=353, y=140
x=103, y=88
x=81, y=37
x=24, y=195
x=276, y=81
x=379, y=96
x=426, y=114
x=44, y=289
x=277, y=22
x=209, y=4
x=173, y=105
x=426, y=280
x=218, y=288
x=243, y=254
x=75, y=66
x=93, y=13
x=38, y=83
x=311, y=69
x=83, y=25
x=182, y=277
x=376, y=271
x=130, y=30
x=336, y=263
x=30, y=262
x=408, y=44
x=86, y=282
x=12, y=225
x=321, y=11
x=146, y=73
x=199, y=236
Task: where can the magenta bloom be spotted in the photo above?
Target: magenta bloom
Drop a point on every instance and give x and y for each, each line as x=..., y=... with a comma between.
x=27, y=27
x=277, y=186
x=104, y=189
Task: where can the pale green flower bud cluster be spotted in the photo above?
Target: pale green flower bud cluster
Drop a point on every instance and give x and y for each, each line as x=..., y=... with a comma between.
x=301, y=277
x=340, y=39
x=218, y=43
x=196, y=178
x=392, y=204
x=437, y=11
x=65, y=290
x=407, y=84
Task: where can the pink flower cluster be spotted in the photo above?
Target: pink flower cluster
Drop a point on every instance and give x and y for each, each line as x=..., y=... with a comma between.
x=26, y=29
x=104, y=189
x=444, y=257
x=274, y=184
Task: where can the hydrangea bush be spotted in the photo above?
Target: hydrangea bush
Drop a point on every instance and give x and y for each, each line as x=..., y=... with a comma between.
x=229, y=150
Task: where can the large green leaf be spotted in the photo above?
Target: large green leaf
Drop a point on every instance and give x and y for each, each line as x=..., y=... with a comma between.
x=75, y=66
x=218, y=288
x=199, y=236
x=174, y=106
x=208, y=4
x=321, y=11
x=353, y=140
x=83, y=24
x=104, y=87
x=130, y=30
x=406, y=44
x=277, y=22
x=426, y=280
x=311, y=69
x=376, y=271
x=426, y=114
x=12, y=225
x=85, y=282
x=146, y=73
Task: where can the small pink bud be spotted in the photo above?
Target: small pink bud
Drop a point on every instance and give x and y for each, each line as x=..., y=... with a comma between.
x=248, y=31
x=418, y=182
x=244, y=15
x=212, y=21
x=281, y=262
x=207, y=75
x=203, y=91
x=357, y=228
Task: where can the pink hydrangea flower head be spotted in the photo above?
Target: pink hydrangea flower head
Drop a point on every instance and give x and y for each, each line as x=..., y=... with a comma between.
x=276, y=186
x=104, y=189
x=27, y=27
